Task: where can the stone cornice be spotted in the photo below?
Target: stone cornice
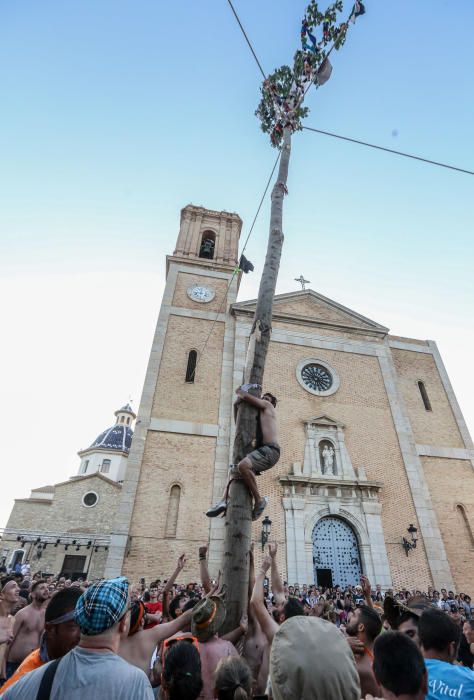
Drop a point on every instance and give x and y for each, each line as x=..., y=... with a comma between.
x=195, y=209
x=83, y=477
x=44, y=501
x=318, y=298
x=325, y=420
x=289, y=479
x=298, y=320
x=109, y=450
x=203, y=263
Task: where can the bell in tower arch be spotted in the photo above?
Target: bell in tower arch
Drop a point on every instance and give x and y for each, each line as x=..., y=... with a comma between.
x=208, y=243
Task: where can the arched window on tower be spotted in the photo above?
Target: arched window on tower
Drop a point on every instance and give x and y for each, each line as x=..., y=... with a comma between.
x=424, y=396
x=208, y=244
x=462, y=515
x=191, y=367
x=173, y=511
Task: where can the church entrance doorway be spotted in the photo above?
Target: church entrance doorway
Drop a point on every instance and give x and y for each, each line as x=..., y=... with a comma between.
x=336, y=555
x=324, y=578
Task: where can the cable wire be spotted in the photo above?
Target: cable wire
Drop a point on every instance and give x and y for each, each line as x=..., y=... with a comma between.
x=236, y=270
x=247, y=39
x=261, y=201
x=389, y=150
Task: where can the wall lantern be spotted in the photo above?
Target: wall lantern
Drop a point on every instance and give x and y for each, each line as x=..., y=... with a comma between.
x=406, y=544
x=266, y=528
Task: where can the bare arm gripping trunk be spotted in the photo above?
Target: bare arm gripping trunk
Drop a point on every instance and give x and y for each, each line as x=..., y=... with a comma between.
x=238, y=525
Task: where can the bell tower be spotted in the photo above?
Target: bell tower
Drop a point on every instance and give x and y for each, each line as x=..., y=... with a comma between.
x=207, y=235
x=180, y=450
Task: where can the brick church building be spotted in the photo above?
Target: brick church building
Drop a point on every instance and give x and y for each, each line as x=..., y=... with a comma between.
x=373, y=439
x=373, y=444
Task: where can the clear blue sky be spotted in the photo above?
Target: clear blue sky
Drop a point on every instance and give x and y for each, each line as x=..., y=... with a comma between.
x=116, y=114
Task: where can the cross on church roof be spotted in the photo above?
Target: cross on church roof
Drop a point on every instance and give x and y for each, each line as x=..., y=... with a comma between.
x=302, y=281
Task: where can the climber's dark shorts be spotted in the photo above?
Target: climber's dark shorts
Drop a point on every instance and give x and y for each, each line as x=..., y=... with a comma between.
x=264, y=457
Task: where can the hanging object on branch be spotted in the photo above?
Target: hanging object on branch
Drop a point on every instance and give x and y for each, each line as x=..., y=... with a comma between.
x=324, y=72
x=357, y=11
x=283, y=92
x=326, y=32
x=305, y=32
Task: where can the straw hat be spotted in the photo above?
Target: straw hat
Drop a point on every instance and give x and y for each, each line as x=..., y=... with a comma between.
x=208, y=618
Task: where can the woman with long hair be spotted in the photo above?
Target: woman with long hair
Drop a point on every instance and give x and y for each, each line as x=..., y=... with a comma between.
x=181, y=674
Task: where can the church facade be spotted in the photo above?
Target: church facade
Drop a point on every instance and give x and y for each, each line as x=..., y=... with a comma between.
x=373, y=439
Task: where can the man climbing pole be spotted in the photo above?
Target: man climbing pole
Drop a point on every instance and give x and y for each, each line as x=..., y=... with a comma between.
x=265, y=455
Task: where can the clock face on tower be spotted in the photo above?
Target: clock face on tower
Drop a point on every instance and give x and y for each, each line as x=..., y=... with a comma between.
x=201, y=292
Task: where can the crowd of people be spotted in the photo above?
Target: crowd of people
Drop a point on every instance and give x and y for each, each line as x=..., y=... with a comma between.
x=62, y=639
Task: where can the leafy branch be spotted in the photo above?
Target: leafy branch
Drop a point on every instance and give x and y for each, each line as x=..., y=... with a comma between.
x=283, y=92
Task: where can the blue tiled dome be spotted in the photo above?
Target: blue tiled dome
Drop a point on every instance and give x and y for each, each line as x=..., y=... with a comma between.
x=118, y=437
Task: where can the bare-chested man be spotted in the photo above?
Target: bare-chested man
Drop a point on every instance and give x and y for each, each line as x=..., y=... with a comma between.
x=256, y=649
x=9, y=596
x=140, y=644
x=207, y=618
x=283, y=608
x=365, y=625
x=28, y=627
x=263, y=457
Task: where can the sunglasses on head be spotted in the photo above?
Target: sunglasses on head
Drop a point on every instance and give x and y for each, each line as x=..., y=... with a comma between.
x=168, y=643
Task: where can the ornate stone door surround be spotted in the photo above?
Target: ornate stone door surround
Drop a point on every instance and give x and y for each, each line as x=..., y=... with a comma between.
x=307, y=500
x=310, y=494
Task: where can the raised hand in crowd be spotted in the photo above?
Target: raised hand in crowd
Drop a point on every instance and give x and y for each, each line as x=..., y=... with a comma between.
x=367, y=591
x=276, y=581
x=170, y=583
x=204, y=570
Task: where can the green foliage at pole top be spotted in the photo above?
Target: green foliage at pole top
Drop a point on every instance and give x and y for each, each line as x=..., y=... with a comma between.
x=284, y=90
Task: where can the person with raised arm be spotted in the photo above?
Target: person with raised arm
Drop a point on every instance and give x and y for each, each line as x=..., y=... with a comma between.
x=169, y=584
x=278, y=590
x=256, y=649
x=204, y=570
x=286, y=610
x=138, y=647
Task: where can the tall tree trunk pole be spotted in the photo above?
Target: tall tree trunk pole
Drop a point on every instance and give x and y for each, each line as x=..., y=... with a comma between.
x=238, y=524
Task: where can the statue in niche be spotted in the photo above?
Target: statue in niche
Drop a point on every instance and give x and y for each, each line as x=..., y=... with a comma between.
x=328, y=459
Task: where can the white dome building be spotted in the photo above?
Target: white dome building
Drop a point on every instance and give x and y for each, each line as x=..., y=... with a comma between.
x=109, y=452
